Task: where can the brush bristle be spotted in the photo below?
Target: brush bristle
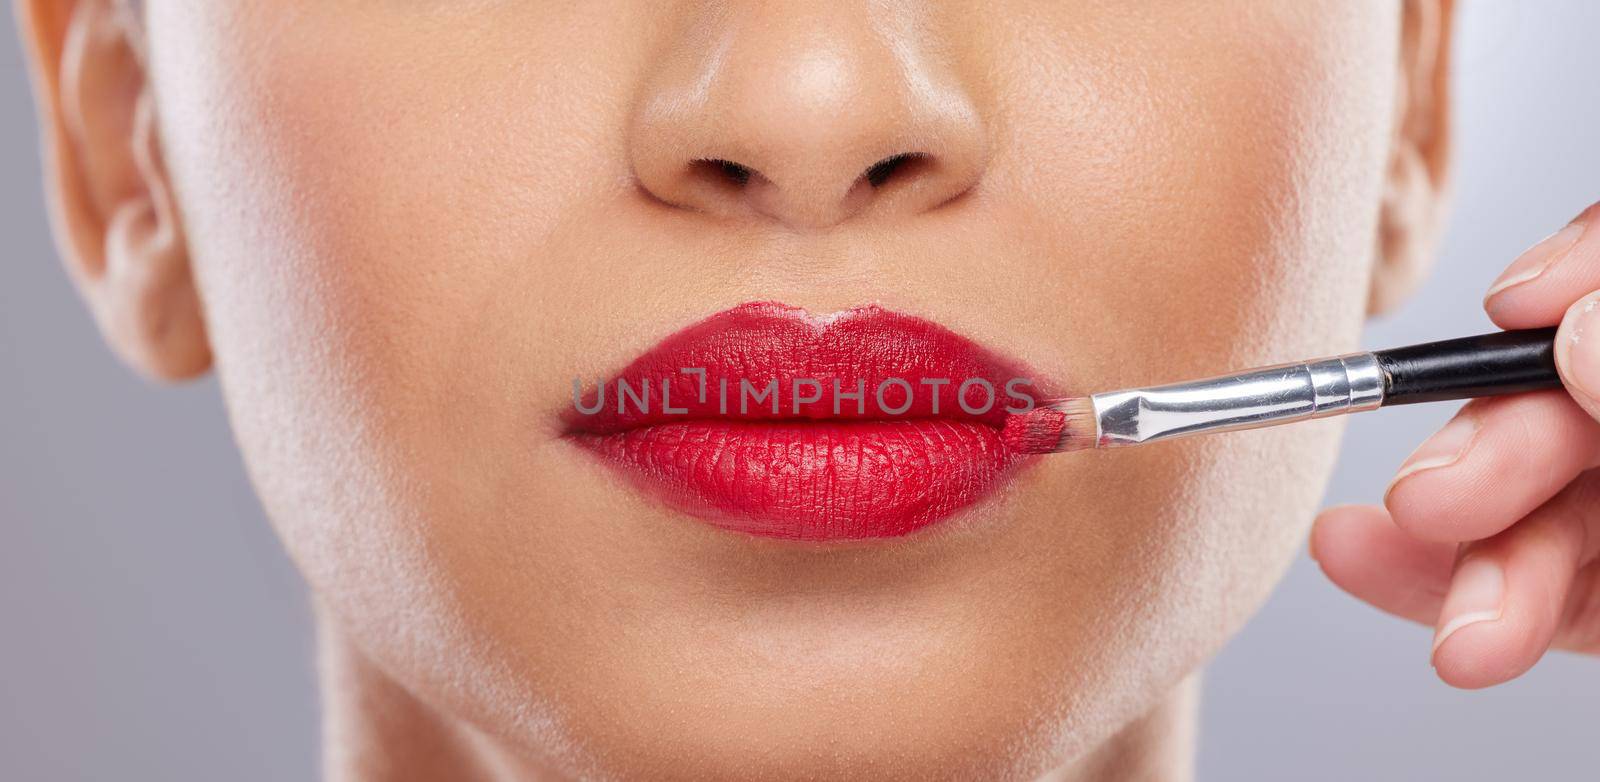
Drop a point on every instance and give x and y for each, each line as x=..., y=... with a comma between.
x=1056, y=426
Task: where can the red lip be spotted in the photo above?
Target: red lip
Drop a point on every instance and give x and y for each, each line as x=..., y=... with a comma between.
x=835, y=468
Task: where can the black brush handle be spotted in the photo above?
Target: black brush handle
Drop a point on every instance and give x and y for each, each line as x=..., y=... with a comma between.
x=1506, y=362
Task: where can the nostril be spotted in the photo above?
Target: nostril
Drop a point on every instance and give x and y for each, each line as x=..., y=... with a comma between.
x=901, y=164
x=724, y=170
x=807, y=195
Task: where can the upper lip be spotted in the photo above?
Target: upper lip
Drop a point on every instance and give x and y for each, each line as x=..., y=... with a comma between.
x=854, y=350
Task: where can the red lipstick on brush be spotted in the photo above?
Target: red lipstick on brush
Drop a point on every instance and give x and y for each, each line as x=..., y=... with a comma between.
x=771, y=421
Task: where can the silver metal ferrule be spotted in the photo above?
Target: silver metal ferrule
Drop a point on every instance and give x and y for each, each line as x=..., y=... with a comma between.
x=1258, y=397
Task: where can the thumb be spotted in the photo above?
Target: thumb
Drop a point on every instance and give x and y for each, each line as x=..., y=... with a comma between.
x=1578, y=352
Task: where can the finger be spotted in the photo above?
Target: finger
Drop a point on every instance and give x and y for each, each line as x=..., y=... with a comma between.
x=1492, y=464
x=1361, y=550
x=1508, y=595
x=1539, y=285
x=1580, y=626
x=1578, y=352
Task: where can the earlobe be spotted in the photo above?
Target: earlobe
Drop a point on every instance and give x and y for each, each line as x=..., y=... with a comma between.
x=1411, y=214
x=115, y=222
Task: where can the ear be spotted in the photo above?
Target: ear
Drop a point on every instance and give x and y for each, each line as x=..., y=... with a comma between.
x=1412, y=212
x=110, y=200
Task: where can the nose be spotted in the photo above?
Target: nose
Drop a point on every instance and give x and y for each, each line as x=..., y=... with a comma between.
x=806, y=114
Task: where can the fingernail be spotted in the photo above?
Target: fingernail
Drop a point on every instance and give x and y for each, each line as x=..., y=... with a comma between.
x=1476, y=593
x=1578, y=344
x=1444, y=448
x=1536, y=260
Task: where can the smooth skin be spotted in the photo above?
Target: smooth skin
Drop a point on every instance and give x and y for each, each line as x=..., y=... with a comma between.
x=1490, y=531
x=397, y=229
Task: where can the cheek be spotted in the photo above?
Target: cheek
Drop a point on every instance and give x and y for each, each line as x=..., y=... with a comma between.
x=397, y=194
x=366, y=216
x=369, y=228
x=1209, y=200
x=1222, y=184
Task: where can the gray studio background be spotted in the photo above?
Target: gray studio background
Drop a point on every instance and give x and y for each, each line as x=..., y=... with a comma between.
x=151, y=628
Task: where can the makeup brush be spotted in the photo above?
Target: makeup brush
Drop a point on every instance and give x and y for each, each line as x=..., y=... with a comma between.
x=1505, y=362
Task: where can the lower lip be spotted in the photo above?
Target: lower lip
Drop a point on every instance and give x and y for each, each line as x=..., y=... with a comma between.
x=824, y=480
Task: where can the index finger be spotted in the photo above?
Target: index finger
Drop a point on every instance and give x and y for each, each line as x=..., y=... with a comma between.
x=1536, y=289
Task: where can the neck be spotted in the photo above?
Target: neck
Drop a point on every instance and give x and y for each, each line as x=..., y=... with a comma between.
x=374, y=730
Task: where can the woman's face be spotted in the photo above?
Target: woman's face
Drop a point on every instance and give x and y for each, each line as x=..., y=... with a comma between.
x=413, y=224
